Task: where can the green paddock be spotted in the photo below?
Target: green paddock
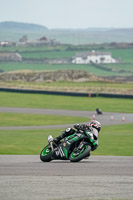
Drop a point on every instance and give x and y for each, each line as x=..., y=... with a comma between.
x=65, y=102
x=21, y=119
x=113, y=140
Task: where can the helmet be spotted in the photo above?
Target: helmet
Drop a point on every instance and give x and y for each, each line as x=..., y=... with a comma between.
x=95, y=124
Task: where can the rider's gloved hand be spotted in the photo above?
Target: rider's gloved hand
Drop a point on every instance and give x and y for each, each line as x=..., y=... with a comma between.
x=83, y=126
x=80, y=126
x=68, y=131
x=77, y=126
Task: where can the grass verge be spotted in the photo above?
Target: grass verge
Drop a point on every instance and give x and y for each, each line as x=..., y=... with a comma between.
x=114, y=140
x=15, y=119
x=8, y=99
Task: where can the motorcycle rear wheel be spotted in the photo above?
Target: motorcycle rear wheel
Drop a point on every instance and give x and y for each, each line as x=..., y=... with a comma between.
x=46, y=154
x=83, y=153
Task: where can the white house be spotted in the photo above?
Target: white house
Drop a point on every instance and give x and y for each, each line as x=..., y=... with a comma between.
x=93, y=56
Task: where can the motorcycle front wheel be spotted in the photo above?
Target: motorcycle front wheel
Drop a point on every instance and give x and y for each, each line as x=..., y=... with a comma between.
x=46, y=154
x=80, y=154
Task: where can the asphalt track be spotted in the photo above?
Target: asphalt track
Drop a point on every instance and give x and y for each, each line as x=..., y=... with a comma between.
x=107, y=118
x=99, y=177
x=25, y=177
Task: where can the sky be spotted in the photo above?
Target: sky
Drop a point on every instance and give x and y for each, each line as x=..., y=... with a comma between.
x=69, y=13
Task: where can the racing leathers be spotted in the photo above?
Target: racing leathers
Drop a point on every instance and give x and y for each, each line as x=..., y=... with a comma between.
x=90, y=131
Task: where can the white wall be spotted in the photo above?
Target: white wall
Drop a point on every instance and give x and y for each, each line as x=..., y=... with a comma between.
x=95, y=59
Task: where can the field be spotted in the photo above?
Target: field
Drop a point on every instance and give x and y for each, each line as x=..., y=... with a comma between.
x=65, y=102
x=114, y=140
x=34, y=59
x=13, y=119
x=114, y=69
x=87, y=87
x=38, y=54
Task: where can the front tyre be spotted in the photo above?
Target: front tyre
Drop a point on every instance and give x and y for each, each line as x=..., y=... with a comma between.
x=80, y=154
x=46, y=154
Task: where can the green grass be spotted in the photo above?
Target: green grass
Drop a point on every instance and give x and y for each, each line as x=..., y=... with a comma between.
x=121, y=68
x=124, y=54
x=116, y=140
x=61, y=51
x=113, y=140
x=44, y=48
x=15, y=66
x=65, y=102
x=52, y=54
x=17, y=119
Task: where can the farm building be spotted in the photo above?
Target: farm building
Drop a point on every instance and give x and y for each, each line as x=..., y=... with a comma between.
x=40, y=42
x=3, y=43
x=10, y=57
x=93, y=56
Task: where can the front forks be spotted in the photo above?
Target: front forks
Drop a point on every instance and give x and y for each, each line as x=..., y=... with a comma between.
x=50, y=140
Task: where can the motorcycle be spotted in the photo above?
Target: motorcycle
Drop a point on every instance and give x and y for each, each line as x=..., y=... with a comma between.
x=74, y=147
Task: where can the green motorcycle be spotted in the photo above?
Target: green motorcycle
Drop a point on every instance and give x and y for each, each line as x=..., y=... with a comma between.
x=74, y=148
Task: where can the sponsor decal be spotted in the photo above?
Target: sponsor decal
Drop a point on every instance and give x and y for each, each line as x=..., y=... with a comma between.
x=78, y=134
x=61, y=152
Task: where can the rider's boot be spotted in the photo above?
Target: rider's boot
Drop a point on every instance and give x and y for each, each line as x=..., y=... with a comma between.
x=57, y=139
x=66, y=133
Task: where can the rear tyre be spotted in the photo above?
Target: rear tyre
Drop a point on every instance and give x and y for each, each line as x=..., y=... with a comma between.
x=83, y=153
x=46, y=154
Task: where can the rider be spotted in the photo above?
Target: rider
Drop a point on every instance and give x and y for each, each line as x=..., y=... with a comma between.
x=93, y=127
